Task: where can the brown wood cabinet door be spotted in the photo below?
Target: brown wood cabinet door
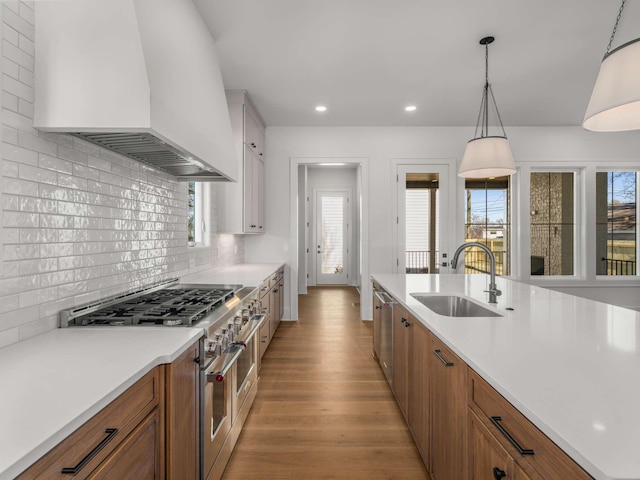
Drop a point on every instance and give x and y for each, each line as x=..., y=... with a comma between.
x=487, y=458
x=418, y=394
x=138, y=457
x=448, y=413
x=400, y=356
x=183, y=411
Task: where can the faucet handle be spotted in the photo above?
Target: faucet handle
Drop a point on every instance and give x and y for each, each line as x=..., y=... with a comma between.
x=495, y=291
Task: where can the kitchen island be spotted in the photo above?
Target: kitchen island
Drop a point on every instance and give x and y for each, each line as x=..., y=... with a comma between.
x=570, y=365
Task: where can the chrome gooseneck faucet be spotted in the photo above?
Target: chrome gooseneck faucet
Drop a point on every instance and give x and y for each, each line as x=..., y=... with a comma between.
x=494, y=293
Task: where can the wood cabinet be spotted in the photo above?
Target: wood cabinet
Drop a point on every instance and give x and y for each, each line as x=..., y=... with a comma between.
x=401, y=357
x=138, y=456
x=182, y=407
x=535, y=455
x=411, y=375
x=271, y=293
x=241, y=204
x=448, y=383
x=151, y=431
x=101, y=445
x=418, y=387
x=487, y=458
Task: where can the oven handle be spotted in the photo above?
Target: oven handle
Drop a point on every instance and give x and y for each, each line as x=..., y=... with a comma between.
x=218, y=375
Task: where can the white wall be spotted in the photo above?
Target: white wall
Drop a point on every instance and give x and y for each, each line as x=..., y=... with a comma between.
x=381, y=144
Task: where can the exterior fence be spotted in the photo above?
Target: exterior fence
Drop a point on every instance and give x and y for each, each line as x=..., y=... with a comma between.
x=620, y=267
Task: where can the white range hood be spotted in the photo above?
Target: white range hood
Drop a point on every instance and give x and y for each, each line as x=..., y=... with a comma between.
x=138, y=76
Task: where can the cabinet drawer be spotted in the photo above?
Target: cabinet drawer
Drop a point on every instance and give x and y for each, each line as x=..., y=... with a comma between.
x=273, y=280
x=528, y=445
x=264, y=287
x=90, y=444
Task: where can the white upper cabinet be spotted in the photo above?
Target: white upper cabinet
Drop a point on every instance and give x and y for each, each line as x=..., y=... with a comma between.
x=241, y=205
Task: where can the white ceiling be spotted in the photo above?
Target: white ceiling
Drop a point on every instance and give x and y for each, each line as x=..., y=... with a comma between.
x=367, y=59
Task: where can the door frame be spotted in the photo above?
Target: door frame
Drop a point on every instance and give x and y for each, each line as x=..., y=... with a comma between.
x=366, y=295
x=348, y=237
x=446, y=248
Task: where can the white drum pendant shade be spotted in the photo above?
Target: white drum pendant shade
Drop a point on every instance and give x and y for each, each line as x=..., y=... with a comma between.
x=487, y=157
x=615, y=101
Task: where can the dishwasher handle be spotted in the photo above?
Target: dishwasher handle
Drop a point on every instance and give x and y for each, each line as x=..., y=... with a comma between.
x=386, y=301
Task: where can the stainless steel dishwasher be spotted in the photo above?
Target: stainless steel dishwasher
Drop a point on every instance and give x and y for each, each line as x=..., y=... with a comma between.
x=386, y=334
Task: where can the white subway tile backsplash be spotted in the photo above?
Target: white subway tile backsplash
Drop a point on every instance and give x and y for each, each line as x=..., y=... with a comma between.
x=53, y=163
x=14, y=86
x=9, y=101
x=17, y=55
x=36, y=174
x=39, y=326
x=10, y=169
x=13, y=5
x=27, y=12
x=32, y=142
x=27, y=46
x=15, y=20
x=19, y=154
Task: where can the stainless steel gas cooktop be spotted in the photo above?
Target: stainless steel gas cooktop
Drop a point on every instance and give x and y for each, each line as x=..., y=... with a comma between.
x=167, y=303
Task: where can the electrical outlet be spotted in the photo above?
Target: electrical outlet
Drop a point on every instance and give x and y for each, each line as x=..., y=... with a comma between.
x=235, y=249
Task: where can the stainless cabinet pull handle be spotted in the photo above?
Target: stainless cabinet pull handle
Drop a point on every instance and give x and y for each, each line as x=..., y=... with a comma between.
x=111, y=432
x=522, y=451
x=441, y=358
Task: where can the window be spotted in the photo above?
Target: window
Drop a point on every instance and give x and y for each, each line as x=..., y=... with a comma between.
x=488, y=221
x=552, y=221
x=616, y=225
x=195, y=217
x=191, y=214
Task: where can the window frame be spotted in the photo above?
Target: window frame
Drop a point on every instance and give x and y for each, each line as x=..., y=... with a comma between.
x=618, y=167
x=200, y=225
x=579, y=223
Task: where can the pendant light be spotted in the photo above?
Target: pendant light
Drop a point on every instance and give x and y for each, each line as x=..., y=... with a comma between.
x=615, y=101
x=487, y=155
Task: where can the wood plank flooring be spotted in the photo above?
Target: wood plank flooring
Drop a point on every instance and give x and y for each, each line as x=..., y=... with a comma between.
x=324, y=409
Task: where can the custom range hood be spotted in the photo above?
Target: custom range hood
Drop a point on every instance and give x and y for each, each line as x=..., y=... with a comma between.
x=140, y=77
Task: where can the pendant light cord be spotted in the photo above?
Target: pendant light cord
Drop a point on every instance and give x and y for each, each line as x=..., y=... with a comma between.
x=483, y=115
x=615, y=27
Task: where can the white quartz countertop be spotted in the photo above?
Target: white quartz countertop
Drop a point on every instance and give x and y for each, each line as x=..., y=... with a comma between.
x=570, y=365
x=247, y=274
x=55, y=382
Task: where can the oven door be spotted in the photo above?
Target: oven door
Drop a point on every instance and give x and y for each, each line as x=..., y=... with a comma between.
x=216, y=405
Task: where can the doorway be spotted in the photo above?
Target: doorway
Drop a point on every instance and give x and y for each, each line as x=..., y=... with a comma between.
x=309, y=175
x=332, y=236
x=423, y=226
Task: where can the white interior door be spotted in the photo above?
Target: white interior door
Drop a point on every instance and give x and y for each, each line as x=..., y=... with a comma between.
x=332, y=237
x=423, y=222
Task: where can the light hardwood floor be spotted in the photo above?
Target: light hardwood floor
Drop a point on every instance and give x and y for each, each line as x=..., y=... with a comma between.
x=324, y=409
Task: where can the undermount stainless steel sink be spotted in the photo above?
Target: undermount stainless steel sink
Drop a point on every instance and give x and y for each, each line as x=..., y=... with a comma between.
x=453, y=306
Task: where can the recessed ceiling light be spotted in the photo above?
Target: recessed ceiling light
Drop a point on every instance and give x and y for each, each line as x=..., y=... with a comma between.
x=410, y=108
x=321, y=108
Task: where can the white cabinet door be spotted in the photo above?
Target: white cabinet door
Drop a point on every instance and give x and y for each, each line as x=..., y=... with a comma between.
x=249, y=193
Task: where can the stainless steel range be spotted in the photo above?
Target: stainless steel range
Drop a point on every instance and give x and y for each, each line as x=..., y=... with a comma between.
x=230, y=316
